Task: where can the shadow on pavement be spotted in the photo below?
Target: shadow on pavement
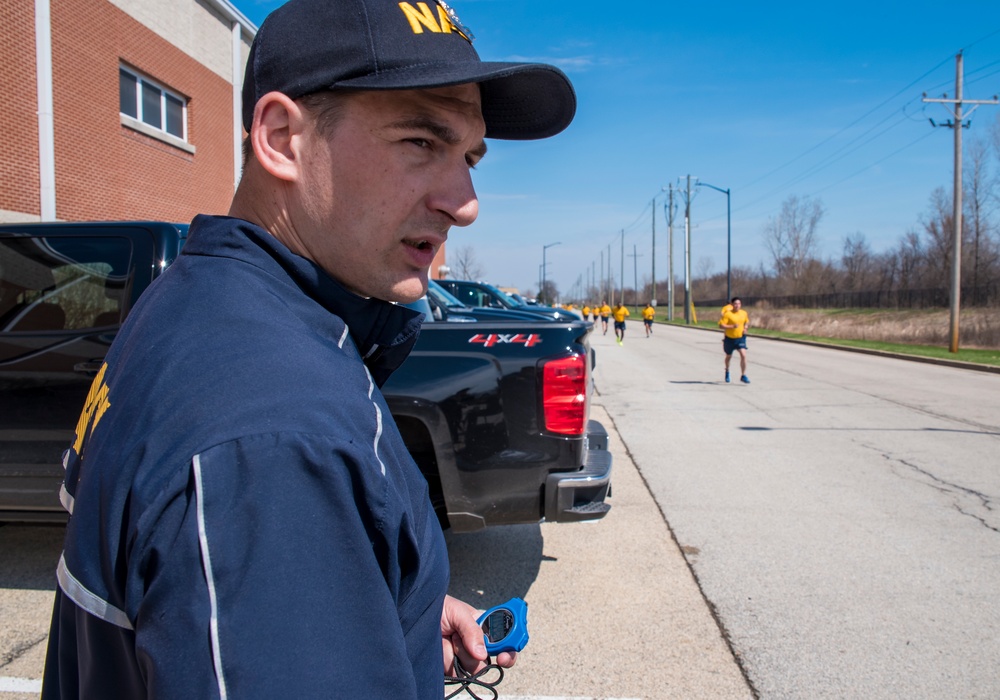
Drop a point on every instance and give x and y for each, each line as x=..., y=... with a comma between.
x=29, y=555
x=493, y=565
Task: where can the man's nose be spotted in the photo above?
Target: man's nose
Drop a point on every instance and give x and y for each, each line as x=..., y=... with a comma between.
x=456, y=197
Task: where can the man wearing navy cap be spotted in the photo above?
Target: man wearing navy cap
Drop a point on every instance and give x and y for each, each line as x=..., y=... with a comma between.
x=246, y=521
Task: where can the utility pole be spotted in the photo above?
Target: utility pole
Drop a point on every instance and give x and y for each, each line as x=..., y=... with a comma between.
x=635, y=278
x=670, y=249
x=544, y=274
x=652, y=294
x=601, y=285
x=687, y=254
x=611, y=289
x=621, y=299
x=956, y=250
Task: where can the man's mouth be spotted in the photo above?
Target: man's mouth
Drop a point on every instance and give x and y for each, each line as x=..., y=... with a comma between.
x=422, y=250
x=422, y=245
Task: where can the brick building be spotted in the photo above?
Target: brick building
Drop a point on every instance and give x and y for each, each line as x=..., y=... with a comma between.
x=120, y=109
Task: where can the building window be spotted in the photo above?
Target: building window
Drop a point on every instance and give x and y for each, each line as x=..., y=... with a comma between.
x=152, y=104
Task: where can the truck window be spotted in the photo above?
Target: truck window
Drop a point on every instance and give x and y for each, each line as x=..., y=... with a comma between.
x=62, y=283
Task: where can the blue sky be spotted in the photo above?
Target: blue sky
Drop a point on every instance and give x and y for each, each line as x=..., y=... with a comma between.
x=768, y=99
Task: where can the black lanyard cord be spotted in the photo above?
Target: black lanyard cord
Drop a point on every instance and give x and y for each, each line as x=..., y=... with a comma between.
x=465, y=680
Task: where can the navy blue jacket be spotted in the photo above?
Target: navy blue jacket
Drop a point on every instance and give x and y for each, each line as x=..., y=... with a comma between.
x=246, y=521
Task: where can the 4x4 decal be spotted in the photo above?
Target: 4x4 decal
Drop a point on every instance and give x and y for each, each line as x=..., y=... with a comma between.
x=490, y=339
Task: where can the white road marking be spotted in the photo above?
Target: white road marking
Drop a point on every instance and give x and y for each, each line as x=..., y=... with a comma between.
x=20, y=685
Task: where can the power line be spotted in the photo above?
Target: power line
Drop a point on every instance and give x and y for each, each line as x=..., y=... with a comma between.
x=826, y=162
x=872, y=165
x=833, y=136
x=978, y=41
x=846, y=149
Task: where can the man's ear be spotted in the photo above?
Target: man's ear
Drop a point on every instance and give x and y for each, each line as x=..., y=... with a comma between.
x=276, y=134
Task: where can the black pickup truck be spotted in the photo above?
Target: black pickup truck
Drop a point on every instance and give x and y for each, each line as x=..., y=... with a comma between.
x=494, y=410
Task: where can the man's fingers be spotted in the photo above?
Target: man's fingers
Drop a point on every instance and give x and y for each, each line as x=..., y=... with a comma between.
x=506, y=659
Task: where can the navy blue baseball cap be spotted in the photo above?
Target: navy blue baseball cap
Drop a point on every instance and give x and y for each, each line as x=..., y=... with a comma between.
x=308, y=46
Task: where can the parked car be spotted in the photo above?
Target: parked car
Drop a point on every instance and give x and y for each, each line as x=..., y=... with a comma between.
x=480, y=294
x=446, y=307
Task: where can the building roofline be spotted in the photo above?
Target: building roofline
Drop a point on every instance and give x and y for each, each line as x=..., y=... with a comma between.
x=230, y=12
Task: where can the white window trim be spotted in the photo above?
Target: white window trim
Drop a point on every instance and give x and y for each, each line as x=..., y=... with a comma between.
x=159, y=133
x=153, y=132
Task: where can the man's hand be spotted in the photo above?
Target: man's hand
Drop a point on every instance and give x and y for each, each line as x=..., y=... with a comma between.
x=461, y=635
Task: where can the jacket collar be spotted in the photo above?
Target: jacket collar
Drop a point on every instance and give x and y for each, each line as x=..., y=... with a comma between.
x=384, y=333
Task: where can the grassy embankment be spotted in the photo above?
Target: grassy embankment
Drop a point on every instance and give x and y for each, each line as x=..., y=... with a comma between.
x=909, y=332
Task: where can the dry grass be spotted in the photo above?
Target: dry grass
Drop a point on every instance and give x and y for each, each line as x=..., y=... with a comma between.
x=980, y=328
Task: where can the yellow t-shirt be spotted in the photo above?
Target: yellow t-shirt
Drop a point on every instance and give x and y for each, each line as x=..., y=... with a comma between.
x=740, y=318
x=605, y=311
x=649, y=313
x=620, y=313
x=586, y=311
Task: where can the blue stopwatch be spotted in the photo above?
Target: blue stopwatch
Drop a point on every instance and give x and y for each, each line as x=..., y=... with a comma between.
x=505, y=627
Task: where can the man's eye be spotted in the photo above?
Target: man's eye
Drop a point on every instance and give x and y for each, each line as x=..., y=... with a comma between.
x=420, y=143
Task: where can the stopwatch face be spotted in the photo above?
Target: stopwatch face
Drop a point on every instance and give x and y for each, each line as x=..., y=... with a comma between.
x=498, y=625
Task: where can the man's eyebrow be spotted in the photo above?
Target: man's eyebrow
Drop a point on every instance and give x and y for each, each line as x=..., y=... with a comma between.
x=439, y=130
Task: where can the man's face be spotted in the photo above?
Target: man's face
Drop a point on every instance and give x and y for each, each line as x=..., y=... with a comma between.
x=737, y=304
x=381, y=190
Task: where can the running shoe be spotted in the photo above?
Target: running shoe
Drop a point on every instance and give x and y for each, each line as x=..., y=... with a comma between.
x=745, y=379
x=727, y=376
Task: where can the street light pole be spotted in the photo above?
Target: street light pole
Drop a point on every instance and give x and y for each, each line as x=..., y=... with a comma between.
x=687, y=254
x=621, y=299
x=652, y=205
x=670, y=254
x=545, y=248
x=729, y=239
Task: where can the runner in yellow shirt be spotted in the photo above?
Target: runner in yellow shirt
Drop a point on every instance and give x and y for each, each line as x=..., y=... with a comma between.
x=605, y=311
x=620, y=313
x=648, y=314
x=586, y=312
x=735, y=321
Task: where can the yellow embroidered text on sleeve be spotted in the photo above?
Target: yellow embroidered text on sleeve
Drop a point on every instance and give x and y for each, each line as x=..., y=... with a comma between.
x=95, y=406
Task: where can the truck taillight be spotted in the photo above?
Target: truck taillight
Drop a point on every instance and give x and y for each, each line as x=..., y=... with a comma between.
x=564, y=395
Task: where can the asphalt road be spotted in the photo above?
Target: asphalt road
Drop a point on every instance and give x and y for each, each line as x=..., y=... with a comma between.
x=841, y=512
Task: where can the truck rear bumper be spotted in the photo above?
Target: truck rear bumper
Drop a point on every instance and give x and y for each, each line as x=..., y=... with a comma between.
x=579, y=495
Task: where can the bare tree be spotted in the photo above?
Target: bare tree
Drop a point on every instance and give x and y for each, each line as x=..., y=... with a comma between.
x=885, y=267
x=747, y=282
x=818, y=277
x=858, y=263
x=939, y=228
x=979, y=200
x=995, y=136
x=549, y=293
x=465, y=265
x=704, y=284
x=705, y=265
x=791, y=237
x=909, y=261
